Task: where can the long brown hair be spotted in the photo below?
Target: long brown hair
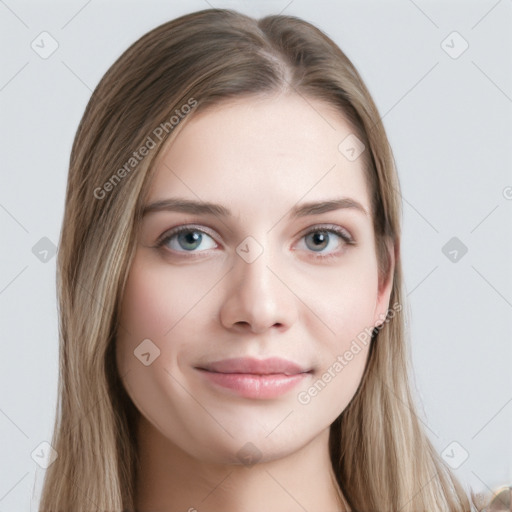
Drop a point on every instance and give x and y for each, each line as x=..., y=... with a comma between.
x=380, y=453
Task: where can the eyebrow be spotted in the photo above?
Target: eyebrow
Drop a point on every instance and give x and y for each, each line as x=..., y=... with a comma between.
x=217, y=210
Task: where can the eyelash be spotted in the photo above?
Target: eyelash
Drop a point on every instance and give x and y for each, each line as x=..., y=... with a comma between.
x=337, y=230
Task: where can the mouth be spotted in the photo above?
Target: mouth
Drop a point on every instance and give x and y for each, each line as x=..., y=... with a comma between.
x=253, y=378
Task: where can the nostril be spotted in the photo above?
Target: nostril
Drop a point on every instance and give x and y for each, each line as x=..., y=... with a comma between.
x=242, y=323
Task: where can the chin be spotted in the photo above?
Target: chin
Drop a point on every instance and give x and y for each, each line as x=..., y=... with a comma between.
x=250, y=446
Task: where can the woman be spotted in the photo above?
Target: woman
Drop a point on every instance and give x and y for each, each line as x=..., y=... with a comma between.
x=230, y=286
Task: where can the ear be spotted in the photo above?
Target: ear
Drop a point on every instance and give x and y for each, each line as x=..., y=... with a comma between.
x=385, y=283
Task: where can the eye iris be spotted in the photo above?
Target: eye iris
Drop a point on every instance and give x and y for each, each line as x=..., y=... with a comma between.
x=190, y=237
x=320, y=236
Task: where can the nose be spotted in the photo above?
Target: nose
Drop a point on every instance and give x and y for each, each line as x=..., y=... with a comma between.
x=258, y=297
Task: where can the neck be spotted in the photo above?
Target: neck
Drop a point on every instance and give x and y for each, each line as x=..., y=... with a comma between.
x=170, y=480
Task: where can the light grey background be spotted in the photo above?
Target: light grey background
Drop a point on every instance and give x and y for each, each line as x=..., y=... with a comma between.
x=448, y=117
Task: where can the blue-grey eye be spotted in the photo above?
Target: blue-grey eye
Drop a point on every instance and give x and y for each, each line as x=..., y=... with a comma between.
x=320, y=239
x=190, y=240
x=187, y=240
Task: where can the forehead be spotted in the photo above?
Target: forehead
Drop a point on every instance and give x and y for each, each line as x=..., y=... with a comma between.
x=274, y=150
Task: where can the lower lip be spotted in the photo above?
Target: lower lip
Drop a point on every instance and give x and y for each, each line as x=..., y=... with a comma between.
x=250, y=385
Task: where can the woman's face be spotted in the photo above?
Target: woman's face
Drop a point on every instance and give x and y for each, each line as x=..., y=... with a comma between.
x=249, y=280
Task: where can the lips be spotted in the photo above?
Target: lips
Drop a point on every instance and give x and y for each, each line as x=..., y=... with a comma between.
x=254, y=378
x=247, y=365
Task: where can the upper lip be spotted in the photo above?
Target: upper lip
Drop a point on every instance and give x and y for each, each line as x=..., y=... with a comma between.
x=256, y=366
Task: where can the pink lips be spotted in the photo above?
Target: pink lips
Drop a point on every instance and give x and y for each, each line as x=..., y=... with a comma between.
x=254, y=378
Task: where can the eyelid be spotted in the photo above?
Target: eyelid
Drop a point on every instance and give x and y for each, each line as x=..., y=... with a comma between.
x=184, y=227
x=339, y=230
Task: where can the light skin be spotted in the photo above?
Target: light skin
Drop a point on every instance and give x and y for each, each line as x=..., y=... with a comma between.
x=199, y=301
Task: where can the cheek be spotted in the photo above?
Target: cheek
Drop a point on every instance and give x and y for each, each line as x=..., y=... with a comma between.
x=345, y=301
x=343, y=348
x=333, y=388
x=163, y=305
x=157, y=299
x=158, y=305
